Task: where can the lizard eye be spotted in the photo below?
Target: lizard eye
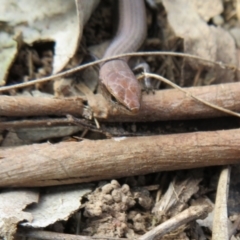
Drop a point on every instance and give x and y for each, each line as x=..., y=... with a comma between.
x=113, y=99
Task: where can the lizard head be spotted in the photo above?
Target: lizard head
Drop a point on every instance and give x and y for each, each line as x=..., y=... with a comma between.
x=121, y=83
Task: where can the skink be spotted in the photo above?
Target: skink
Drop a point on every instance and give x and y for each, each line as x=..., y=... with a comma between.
x=116, y=75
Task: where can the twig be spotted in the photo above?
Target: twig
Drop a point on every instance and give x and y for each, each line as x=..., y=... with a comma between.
x=40, y=106
x=188, y=215
x=39, y=234
x=68, y=72
x=188, y=93
x=170, y=104
x=220, y=220
x=87, y=125
x=48, y=122
x=86, y=161
x=107, y=131
x=186, y=103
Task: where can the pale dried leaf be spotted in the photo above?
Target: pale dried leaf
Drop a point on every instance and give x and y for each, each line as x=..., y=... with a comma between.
x=99, y=50
x=208, y=221
x=200, y=39
x=12, y=204
x=8, y=51
x=57, y=204
x=64, y=87
x=11, y=139
x=34, y=93
x=238, y=9
x=187, y=24
x=43, y=133
x=208, y=9
x=55, y=20
x=235, y=32
x=226, y=53
x=176, y=197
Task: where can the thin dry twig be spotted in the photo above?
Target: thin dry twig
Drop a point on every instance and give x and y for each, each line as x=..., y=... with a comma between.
x=87, y=125
x=48, y=122
x=135, y=54
x=188, y=215
x=220, y=220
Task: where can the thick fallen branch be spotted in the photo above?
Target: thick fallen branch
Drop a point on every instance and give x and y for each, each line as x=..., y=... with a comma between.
x=168, y=104
x=87, y=161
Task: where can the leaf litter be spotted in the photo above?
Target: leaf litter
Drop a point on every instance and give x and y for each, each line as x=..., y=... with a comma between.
x=129, y=207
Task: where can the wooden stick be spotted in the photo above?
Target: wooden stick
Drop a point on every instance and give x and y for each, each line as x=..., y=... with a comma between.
x=23, y=106
x=172, y=104
x=168, y=104
x=188, y=215
x=48, y=122
x=77, y=162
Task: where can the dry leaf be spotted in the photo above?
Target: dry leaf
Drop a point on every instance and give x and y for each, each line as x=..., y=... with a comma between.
x=12, y=204
x=208, y=9
x=238, y=9
x=11, y=139
x=43, y=133
x=208, y=221
x=8, y=52
x=176, y=197
x=235, y=32
x=200, y=39
x=55, y=20
x=58, y=203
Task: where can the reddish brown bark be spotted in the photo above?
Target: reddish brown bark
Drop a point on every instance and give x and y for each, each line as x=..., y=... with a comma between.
x=23, y=106
x=172, y=104
x=86, y=161
x=163, y=105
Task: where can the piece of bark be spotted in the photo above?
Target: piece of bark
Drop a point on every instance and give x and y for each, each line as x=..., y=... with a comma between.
x=87, y=161
x=164, y=105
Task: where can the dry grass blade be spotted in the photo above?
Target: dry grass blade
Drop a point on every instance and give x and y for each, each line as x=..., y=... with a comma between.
x=138, y=54
x=220, y=221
